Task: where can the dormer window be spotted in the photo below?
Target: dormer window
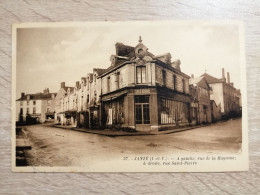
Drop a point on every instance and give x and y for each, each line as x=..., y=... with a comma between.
x=140, y=74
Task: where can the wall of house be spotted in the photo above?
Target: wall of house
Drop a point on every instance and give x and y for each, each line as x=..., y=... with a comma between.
x=216, y=112
x=216, y=94
x=24, y=106
x=169, y=79
x=231, y=102
x=57, y=103
x=120, y=75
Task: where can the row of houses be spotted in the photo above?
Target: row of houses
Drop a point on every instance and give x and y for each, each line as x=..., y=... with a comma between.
x=138, y=91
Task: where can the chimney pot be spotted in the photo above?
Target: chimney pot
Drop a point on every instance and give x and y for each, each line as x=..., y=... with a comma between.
x=77, y=84
x=62, y=85
x=228, y=78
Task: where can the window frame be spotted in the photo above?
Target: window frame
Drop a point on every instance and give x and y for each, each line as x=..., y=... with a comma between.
x=144, y=110
x=143, y=76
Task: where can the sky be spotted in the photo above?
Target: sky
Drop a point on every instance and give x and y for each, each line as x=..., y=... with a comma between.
x=46, y=56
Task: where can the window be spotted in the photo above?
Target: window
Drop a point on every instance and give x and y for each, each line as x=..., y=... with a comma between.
x=34, y=110
x=174, y=82
x=87, y=98
x=28, y=103
x=108, y=84
x=48, y=110
x=117, y=80
x=21, y=103
x=164, y=77
x=140, y=74
x=142, y=109
x=27, y=111
x=183, y=85
x=95, y=79
x=34, y=102
x=48, y=102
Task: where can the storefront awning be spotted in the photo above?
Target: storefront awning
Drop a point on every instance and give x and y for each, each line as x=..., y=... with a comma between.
x=105, y=99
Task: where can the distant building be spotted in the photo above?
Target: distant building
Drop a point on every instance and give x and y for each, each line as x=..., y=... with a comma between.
x=215, y=111
x=37, y=107
x=201, y=100
x=58, y=104
x=224, y=94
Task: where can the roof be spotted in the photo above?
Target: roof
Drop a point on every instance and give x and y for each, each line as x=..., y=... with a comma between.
x=37, y=96
x=210, y=79
x=99, y=71
x=195, y=80
x=66, y=88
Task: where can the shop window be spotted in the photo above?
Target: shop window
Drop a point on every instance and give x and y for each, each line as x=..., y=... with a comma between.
x=142, y=110
x=140, y=74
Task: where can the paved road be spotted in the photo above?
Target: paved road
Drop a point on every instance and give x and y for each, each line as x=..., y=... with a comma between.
x=62, y=147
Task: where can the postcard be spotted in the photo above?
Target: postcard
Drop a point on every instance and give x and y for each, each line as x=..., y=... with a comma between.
x=132, y=96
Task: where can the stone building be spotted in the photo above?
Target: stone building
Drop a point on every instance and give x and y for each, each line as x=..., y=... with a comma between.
x=59, y=106
x=224, y=94
x=201, y=106
x=144, y=92
x=215, y=111
x=35, y=108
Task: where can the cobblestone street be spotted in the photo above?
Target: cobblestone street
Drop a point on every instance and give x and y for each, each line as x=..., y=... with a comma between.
x=63, y=147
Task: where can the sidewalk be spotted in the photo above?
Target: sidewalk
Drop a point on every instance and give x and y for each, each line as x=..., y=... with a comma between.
x=117, y=133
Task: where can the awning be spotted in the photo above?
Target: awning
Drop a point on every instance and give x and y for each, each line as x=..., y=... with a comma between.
x=106, y=99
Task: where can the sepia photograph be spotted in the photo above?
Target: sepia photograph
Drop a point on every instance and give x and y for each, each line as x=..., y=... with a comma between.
x=143, y=96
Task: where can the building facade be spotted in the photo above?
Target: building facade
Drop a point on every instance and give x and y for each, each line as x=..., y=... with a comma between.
x=35, y=108
x=201, y=100
x=143, y=92
x=224, y=94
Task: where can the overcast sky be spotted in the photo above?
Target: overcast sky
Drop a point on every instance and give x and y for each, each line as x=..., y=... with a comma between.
x=48, y=56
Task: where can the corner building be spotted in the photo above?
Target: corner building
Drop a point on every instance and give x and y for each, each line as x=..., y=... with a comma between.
x=144, y=92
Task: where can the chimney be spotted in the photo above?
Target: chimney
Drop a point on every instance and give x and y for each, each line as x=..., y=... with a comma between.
x=176, y=64
x=77, y=84
x=223, y=73
x=192, y=75
x=46, y=90
x=62, y=85
x=228, y=78
x=232, y=84
x=22, y=95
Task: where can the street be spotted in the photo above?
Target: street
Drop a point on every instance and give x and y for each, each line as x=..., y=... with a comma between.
x=63, y=147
